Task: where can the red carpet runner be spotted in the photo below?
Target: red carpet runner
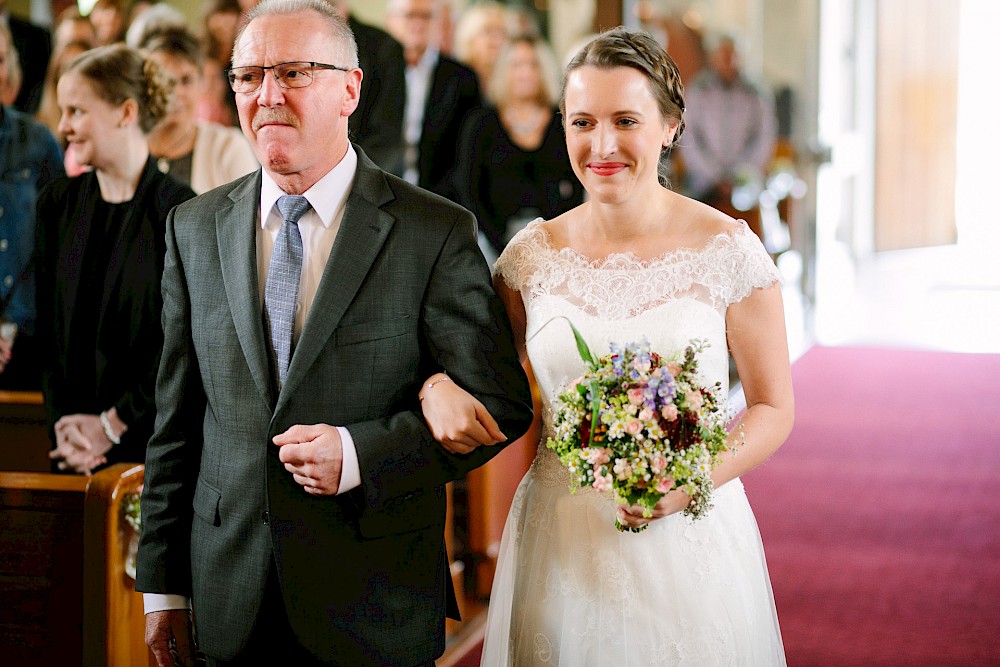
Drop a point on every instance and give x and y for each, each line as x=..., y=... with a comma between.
x=881, y=514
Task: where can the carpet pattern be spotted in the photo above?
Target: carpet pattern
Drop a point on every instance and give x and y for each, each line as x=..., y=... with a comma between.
x=881, y=514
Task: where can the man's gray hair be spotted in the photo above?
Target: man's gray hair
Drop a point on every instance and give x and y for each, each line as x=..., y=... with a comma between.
x=337, y=27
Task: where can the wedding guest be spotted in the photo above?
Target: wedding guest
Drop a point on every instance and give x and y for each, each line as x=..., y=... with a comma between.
x=100, y=243
x=730, y=139
x=480, y=35
x=29, y=159
x=512, y=164
x=197, y=153
x=377, y=126
x=637, y=261
x=33, y=44
x=49, y=113
x=109, y=19
x=440, y=93
x=220, y=21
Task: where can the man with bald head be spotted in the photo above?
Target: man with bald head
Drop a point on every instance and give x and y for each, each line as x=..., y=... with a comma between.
x=294, y=498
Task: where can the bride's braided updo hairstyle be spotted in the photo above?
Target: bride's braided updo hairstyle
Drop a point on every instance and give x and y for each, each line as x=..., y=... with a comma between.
x=118, y=73
x=621, y=47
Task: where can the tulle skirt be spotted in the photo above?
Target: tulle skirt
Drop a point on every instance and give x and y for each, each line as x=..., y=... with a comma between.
x=571, y=590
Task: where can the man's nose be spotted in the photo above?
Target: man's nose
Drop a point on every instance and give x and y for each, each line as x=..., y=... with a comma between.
x=271, y=93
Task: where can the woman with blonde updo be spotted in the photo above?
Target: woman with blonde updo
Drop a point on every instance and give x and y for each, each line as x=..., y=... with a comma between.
x=480, y=35
x=100, y=247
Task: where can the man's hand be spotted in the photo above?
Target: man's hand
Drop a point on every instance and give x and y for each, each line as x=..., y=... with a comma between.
x=169, y=637
x=80, y=443
x=314, y=455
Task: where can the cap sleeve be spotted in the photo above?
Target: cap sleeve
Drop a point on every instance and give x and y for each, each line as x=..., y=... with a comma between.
x=751, y=266
x=521, y=259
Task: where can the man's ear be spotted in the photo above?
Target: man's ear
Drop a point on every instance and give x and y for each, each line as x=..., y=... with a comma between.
x=352, y=97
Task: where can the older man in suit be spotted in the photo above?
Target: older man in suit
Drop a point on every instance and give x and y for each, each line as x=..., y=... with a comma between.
x=440, y=93
x=293, y=491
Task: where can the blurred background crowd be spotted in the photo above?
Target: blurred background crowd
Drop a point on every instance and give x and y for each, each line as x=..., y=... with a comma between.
x=462, y=102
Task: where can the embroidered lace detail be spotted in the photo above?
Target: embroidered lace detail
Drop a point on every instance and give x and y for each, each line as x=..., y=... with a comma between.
x=623, y=285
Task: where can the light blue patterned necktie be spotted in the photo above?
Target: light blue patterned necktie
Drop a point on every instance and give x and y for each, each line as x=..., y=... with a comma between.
x=282, y=288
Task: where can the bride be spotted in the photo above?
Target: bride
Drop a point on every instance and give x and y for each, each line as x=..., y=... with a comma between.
x=635, y=261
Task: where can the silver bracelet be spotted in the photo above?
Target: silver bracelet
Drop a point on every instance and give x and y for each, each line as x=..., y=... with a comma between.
x=108, y=432
x=430, y=385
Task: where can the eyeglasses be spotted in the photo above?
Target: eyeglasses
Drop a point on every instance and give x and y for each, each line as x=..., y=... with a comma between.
x=288, y=75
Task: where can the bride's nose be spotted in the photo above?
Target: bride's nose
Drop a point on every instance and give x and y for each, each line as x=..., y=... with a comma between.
x=603, y=142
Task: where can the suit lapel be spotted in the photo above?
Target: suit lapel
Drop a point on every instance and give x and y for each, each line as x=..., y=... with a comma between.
x=236, y=228
x=362, y=233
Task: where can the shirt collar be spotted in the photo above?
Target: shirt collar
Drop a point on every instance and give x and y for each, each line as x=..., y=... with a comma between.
x=327, y=196
x=428, y=60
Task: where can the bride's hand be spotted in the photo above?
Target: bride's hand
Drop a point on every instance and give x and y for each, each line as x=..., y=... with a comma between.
x=631, y=515
x=456, y=418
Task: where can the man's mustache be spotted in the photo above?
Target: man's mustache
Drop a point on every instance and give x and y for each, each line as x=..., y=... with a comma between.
x=274, y=116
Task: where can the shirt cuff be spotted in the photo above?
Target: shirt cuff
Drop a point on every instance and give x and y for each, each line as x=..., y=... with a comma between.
x=164, y=602
x=350, y=472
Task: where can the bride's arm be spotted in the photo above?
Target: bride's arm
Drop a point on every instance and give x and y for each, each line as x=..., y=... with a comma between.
x=455, y=417
x=755, y=328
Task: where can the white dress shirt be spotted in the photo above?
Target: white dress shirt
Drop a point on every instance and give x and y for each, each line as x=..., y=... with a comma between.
x=418, y=87
x=318, y=227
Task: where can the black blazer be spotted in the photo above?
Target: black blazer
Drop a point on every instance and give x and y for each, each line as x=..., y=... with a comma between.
x=453, y=95
x=405, y=292
x=34, y=47
x=128, y=332
x=377, y=124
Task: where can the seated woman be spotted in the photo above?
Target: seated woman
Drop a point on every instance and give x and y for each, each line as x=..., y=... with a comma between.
x=99, y=257
x=201, y=154
x=512, y=162
x=29, y=159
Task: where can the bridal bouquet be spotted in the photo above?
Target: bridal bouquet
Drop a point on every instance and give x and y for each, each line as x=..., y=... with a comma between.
x=639, y=424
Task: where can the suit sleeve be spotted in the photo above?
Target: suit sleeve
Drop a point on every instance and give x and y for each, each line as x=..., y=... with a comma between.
x=173, y=453
x=468, y=334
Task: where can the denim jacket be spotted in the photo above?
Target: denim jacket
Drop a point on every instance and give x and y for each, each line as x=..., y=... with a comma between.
x=29, y=159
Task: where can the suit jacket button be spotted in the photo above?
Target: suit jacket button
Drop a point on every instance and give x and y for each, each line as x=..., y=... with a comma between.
x=265, y=518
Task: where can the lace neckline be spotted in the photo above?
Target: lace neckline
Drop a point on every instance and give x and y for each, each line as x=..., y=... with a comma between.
x=627, y=258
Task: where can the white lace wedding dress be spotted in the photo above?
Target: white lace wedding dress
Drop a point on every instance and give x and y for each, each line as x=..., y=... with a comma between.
x=570, y=589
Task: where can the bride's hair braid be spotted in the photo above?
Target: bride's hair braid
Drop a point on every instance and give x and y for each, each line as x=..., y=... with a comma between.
x=621, y=47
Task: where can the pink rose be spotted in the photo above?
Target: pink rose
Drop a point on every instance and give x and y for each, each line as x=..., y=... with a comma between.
x=636, y=396
x=574, y=383
x=602, y=482
x=646, y=414
x=633, y=426
x=694, y=399
x=674, y=368
x=659, y=463
x=664, y=485
x=669, y=412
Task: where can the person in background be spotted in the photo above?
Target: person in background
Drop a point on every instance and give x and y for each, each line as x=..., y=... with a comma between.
x=197, y=153
x=110, y=21
x=153, y=18
x=512, y=164
x=440, y=93
x=29, y=159
x=100, y=244
x=730, y=137
x=378, y=124
x=13, y=78
x=293, y=495
x=34, y=47
x=635, y=262
x=220, y=22
x=482, y=31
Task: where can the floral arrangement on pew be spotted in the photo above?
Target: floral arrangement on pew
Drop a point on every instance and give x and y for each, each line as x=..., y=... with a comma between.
x=639, y=425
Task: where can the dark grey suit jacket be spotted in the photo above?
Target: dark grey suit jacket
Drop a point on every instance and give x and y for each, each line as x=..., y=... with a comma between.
x=405, y=292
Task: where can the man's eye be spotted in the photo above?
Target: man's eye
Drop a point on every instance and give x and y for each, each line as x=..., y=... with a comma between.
x=293, y=74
